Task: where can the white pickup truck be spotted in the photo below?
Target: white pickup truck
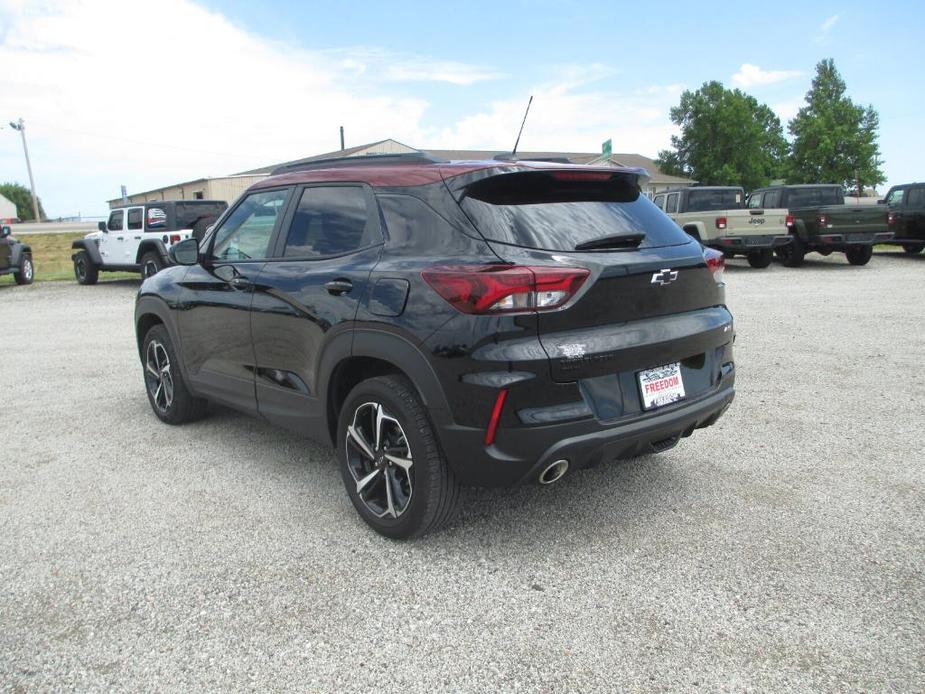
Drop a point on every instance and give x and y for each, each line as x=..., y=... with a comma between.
x=136, y=237
x=717, y=217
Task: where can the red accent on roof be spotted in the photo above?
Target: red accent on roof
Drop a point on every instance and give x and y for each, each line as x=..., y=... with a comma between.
x=414, y=174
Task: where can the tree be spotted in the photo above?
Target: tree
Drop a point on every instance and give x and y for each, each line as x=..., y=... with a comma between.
x=20, y=196
x=727, y=138
x=834, y=139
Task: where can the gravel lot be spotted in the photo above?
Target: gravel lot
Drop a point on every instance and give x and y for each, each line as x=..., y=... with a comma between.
x=781, y=549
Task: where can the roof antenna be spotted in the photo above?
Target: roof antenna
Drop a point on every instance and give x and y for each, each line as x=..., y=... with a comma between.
x=520, y=132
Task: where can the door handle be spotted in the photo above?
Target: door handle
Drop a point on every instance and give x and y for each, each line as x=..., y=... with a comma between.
x=240, y=283
x=338, y=287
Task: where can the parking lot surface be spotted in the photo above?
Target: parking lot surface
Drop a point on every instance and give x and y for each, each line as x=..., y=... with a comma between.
x=782, y=549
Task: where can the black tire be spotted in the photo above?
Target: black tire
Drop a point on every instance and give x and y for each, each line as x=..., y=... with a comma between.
x=151, y=264
x=791, y=254
x=760, y=259
x=913, y=248
x=859, y=255
x=26, y=270
x=168, y=395
x=85, y=270
x=423, y=491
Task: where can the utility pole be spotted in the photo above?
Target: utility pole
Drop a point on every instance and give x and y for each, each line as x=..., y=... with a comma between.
x=342, y=138
x=21, y=127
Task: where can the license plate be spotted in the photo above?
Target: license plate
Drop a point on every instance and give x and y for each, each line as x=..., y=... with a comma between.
x=755, y=241
x=661, y=386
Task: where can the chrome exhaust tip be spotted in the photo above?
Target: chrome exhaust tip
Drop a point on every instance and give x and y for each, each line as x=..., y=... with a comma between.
x=553, y=472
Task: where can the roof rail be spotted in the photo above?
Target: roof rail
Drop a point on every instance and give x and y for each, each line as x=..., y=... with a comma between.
x=361, y=160
x=507, y=156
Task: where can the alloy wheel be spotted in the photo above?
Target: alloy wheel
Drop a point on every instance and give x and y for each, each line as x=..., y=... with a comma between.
x=27, y=270
x=158, y=376
x=379, y=460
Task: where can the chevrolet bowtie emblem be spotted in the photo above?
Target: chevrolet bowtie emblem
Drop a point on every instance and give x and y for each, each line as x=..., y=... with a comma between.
x=663, y=277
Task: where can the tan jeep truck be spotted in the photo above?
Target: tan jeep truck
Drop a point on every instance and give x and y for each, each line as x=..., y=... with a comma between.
x=717, y=217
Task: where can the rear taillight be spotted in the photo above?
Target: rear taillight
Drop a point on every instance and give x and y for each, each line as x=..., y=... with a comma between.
x=789, y=220
x=720, y=222
x=716, y=263
x=175, y=238
x=891, y=218
x=822, y=220
x=504, y=288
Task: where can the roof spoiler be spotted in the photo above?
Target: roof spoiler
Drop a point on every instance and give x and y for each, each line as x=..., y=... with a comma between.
x=361, y=160
x=508, y=156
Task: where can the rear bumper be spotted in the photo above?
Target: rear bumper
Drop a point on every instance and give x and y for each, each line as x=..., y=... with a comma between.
x=859, y=238
x=744, y=244
x=519, y=455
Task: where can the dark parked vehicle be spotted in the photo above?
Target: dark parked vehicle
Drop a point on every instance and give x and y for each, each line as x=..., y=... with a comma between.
x=906, y=215
x=136, y=236
x=444, y=324
x=823, y=223
x=15, y=257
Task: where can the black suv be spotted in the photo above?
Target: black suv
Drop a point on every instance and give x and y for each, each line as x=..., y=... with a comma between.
x=445, y=324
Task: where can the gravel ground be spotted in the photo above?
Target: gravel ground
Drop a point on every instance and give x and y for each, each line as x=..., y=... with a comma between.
x=779, y=550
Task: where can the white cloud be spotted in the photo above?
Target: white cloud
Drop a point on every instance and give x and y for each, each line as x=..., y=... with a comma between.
x=751, y=76
x=454, y=73
x=786, y=110
x=563, y=118
x=829, y=23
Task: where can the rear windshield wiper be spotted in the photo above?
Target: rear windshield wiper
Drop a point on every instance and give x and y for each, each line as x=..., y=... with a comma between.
x=603, y=243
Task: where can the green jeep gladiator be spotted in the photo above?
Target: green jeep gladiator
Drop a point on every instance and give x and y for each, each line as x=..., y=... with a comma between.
x=821, y=222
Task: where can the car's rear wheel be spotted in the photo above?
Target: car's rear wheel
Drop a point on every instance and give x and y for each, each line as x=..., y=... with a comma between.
x=791, y=254
x=391, y=462
x=167, y=392
x=760, y=259
x=85, y=270
x=859, y=255
x=26, y=270
x=913, y=248
x=151, y=264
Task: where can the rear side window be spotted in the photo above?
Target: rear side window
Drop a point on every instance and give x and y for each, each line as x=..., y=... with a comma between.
x=772, y=199
x=813, y=197
x=560, y=210
x=710, y=200
x=330, y=221
x=916, y=198
x=115, y=221
x=135, y=218
x=188, y=214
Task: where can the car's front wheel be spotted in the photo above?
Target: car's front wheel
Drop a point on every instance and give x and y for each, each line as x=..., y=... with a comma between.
x=85, y=270
x=859, y=255
x=167, y=392
x=26, y=270
x=391, y=462
x=760, y=259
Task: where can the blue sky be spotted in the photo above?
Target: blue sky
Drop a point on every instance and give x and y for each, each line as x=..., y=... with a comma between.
x=215, y=87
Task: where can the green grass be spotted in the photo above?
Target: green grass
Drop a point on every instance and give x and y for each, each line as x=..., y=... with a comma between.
x=51, y=255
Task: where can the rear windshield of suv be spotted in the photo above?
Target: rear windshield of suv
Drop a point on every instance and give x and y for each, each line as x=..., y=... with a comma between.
x=557, y=211
x=814, y=197
x=710, y=200
x=188, y=213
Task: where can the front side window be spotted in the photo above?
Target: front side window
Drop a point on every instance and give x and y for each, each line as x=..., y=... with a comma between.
x=672, y=206
x=115, y=220
x=660, y=202
x=135, y=218
x=755, y=200
x=245, y=235
x=896, y=197
x=330, y=221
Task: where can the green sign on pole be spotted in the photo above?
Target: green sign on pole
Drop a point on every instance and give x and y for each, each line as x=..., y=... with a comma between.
x=607, y=148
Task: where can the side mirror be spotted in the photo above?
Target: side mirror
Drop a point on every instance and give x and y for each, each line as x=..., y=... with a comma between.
x=185, y=253
x=881, y=202
x=5, y=231
x=102, y=227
